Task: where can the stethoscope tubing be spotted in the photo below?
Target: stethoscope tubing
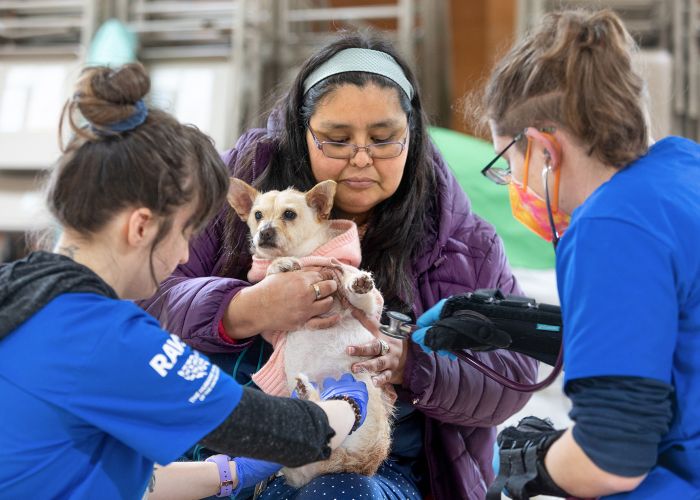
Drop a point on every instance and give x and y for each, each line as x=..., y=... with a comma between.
x=490, y=372
x=505, y=381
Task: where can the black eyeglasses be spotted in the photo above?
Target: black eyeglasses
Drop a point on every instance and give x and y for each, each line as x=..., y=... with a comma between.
x=500, y=175
x=345, y=150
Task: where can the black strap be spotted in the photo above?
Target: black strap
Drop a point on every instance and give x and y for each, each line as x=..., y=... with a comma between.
x=485, y=320
x=466, y=330
x=521, y=472
x=517, y=467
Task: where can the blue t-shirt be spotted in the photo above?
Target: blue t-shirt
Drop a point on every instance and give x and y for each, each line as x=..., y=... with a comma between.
x=628, y=272
x=93, y=393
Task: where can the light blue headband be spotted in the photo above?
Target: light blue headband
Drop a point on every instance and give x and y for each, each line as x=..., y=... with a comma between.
x=364, y=60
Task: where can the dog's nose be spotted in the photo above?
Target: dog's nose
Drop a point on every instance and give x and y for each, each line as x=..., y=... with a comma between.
x=266, y=237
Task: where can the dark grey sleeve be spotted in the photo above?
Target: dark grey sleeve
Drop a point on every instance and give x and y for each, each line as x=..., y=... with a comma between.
x=620, y=421
x=288, y=431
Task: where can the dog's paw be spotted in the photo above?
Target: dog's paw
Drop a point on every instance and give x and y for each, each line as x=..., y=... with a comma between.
x=284, y=265
x=306, y=389
x=362, y=284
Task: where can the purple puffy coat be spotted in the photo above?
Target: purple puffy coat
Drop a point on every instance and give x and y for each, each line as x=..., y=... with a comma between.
x=460, y=404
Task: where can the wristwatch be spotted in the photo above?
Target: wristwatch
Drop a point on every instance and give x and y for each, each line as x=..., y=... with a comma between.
x=222, y=462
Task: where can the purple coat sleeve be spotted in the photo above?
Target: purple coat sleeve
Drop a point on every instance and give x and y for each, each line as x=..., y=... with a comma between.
x=447, y=390
x=192, y=301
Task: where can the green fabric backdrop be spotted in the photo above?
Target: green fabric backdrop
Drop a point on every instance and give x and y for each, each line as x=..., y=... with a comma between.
x=466, y=156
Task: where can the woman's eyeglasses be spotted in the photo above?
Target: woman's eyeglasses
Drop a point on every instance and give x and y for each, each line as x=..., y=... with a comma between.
x=345, y=150
x=497, y=174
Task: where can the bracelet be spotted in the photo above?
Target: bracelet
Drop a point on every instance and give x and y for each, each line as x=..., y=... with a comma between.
x=222, y=462
x=355, y=408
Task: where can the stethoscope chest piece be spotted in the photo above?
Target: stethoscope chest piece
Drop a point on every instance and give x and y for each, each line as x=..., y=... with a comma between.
x=398, y=326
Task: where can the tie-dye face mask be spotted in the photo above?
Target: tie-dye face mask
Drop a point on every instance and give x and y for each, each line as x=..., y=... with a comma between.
x=531, y=210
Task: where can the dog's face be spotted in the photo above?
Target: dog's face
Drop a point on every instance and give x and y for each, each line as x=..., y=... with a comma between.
x=285, y=223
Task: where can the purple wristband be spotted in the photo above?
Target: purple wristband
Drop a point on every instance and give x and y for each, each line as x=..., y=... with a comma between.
x=222, y=462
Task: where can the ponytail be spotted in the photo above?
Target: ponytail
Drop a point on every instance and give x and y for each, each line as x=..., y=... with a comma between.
x=574, y=71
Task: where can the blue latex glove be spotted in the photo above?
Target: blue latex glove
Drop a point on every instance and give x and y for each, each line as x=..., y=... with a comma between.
x=426, y=320
x=251, y=471
x=346, y=385
x=429, y=317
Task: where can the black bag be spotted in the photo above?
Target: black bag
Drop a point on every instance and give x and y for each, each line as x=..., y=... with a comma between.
x=486, y=320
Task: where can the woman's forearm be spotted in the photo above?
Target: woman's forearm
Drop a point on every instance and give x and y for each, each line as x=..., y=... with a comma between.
x=192, y=480
x=187, y=481
x=575, y=473
x=341, y=418
x=241, y=320
x=282, y=430
x=281, y=301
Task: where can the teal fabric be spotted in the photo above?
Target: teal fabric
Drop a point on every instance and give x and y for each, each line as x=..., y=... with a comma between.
x=113, y=45
x=466, y=156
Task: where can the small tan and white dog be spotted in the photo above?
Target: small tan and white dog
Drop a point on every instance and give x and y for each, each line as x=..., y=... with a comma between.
x=287, y=227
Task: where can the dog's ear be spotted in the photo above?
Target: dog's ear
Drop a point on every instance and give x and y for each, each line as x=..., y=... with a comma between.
x=241, y=197
x=320, y=198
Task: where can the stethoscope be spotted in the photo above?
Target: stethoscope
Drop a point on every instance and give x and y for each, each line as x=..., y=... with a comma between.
x=400, y=327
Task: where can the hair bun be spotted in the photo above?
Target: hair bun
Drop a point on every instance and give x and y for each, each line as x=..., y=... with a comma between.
x=105, y=95
x=601, y=29
x=591, y=35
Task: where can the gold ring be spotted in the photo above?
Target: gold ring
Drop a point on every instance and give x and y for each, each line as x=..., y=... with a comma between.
x=317, y=290
x=383, y=347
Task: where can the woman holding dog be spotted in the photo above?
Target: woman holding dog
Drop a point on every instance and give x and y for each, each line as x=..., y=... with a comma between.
x=568, y=113
x=94, y=391
x=354, y=115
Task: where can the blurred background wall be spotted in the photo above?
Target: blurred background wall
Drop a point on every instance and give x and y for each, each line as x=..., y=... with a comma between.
x=220, y=64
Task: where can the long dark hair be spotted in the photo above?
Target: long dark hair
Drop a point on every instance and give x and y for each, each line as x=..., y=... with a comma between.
x=396, y=230
x=161, y=164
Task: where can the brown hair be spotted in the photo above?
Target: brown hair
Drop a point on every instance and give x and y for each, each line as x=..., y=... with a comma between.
x=159, y=164
x=574, y=70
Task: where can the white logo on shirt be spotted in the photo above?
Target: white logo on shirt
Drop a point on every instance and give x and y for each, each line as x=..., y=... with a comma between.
x=195, y=367
x=207, y=386
x=172, y=349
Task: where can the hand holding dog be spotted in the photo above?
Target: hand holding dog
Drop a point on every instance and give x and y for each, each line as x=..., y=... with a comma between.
x=347, y=386
x=390, y=366
x=289, y=302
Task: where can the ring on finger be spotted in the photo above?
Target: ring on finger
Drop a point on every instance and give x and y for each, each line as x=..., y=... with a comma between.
x=317, y=291
x=383, y=347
